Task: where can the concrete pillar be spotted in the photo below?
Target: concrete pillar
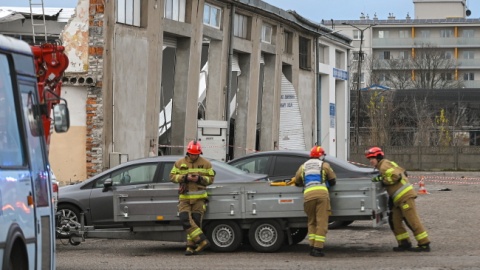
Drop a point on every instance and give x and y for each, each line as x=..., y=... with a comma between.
x=270, y=104
x=107, y=89
x=217, y=77
x=187, y=75
x=154, y=81
x=247, y=97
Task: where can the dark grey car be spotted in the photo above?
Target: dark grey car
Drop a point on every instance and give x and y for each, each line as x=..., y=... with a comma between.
x=282, y=165
x=94, y=196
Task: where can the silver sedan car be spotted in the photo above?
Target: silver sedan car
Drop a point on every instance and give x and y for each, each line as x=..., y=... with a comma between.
x=94, y=196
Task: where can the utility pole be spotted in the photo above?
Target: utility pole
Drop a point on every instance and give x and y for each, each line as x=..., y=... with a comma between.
x=359, y=74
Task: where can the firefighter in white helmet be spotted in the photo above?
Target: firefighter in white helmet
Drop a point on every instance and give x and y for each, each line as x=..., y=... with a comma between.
x=193, y=173
x=316, y=176
x=402, y=197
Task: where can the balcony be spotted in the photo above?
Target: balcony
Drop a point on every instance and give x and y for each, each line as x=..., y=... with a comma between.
x=418, y=42
x=468, y=63
x=471, y=84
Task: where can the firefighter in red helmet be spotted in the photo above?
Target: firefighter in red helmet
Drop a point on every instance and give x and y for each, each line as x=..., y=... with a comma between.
x=316, y=176
x=193, y=173
x=402, y=199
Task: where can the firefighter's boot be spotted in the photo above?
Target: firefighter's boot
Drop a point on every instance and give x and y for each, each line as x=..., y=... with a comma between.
x=403, y=246
x=190, y=251
x=317, y=252
x=421, y=248
x=202, y=246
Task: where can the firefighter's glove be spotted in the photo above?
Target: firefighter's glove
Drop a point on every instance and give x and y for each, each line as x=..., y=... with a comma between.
x=291, y=182
x=378, y=178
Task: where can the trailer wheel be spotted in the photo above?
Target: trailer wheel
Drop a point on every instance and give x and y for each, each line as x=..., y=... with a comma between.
x=266, y=236
x=224, y=236
x=298, y=235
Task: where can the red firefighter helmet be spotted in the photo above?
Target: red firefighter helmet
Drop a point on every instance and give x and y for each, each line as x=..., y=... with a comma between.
x=374, y=152
x=317, y=151
x=194, y=148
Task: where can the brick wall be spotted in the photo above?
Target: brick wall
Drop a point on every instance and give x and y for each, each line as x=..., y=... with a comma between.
x=94, y=104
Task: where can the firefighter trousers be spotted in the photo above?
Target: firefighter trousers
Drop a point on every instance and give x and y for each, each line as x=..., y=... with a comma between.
x=407, y=211
x=318, y=211
x=191, y=214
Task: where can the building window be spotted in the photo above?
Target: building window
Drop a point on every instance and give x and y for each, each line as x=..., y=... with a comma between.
x=404, y=34
x=355, y=55
x=304, y=52
x=212, y=15
x=446, y=33
x=424, y=33
x=469, y=76
x=383, y=34
x=468, y=55
x=468, y=33
x=288, y=37
x=404, y=55
x=267, y=33
x=174, y=10
x=240, y=27
x=447, y=55
x=339, y=60
x=357, y=34
x=128, y=12
x=446, y=76
x=385, y=55
x=362, y=77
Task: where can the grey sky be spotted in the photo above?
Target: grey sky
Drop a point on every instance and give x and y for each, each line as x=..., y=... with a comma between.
x=315, y=10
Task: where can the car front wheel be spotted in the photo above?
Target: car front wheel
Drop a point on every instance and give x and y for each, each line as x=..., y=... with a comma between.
x=68, y=216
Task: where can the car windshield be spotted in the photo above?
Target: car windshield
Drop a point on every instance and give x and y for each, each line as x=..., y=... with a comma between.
x=227, y=167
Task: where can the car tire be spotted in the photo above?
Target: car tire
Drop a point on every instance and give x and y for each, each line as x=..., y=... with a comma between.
x=68, y=214
x=339, y=224
x=224, y=236
x=266, y=235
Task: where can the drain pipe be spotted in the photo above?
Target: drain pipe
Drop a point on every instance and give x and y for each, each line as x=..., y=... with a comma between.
x=319, y=93
x=229, y=81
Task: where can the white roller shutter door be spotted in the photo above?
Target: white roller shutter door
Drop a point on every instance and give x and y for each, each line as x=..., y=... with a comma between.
x=291, y=135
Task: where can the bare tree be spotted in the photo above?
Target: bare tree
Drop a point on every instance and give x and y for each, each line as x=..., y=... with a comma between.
x=433, y=68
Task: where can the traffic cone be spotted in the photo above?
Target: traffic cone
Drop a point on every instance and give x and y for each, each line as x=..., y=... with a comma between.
x=422, y=189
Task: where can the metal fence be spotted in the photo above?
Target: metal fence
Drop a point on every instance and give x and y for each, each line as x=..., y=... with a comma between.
x=426, y=158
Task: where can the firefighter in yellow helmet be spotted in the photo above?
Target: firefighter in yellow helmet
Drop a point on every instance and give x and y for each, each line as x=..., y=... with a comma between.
x=402, y=195
x=316, y=176
x=193, y=173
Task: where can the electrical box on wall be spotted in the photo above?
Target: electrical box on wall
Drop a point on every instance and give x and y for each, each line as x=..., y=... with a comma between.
x=117, y=158
x=212, y=135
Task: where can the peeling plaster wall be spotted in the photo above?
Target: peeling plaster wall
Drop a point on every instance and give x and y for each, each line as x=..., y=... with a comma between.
x=67, y=150
x=75, y=155
x=75, y=38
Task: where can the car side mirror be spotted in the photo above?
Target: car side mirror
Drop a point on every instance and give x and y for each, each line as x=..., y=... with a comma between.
x=61, y=118
x=107, y=184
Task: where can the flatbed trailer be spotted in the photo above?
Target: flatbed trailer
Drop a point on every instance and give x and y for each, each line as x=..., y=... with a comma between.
x=264, y=215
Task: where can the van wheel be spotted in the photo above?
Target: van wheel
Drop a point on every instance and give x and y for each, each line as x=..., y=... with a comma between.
x=266, y=236
x=224, y=236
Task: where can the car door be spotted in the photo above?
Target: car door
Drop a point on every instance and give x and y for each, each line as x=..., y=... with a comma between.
x=284, y=167
x=125, y=178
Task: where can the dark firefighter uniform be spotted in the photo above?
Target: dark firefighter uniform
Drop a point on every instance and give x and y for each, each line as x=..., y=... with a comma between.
x=403, y=195
x=314, y=175
x=192, y=198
